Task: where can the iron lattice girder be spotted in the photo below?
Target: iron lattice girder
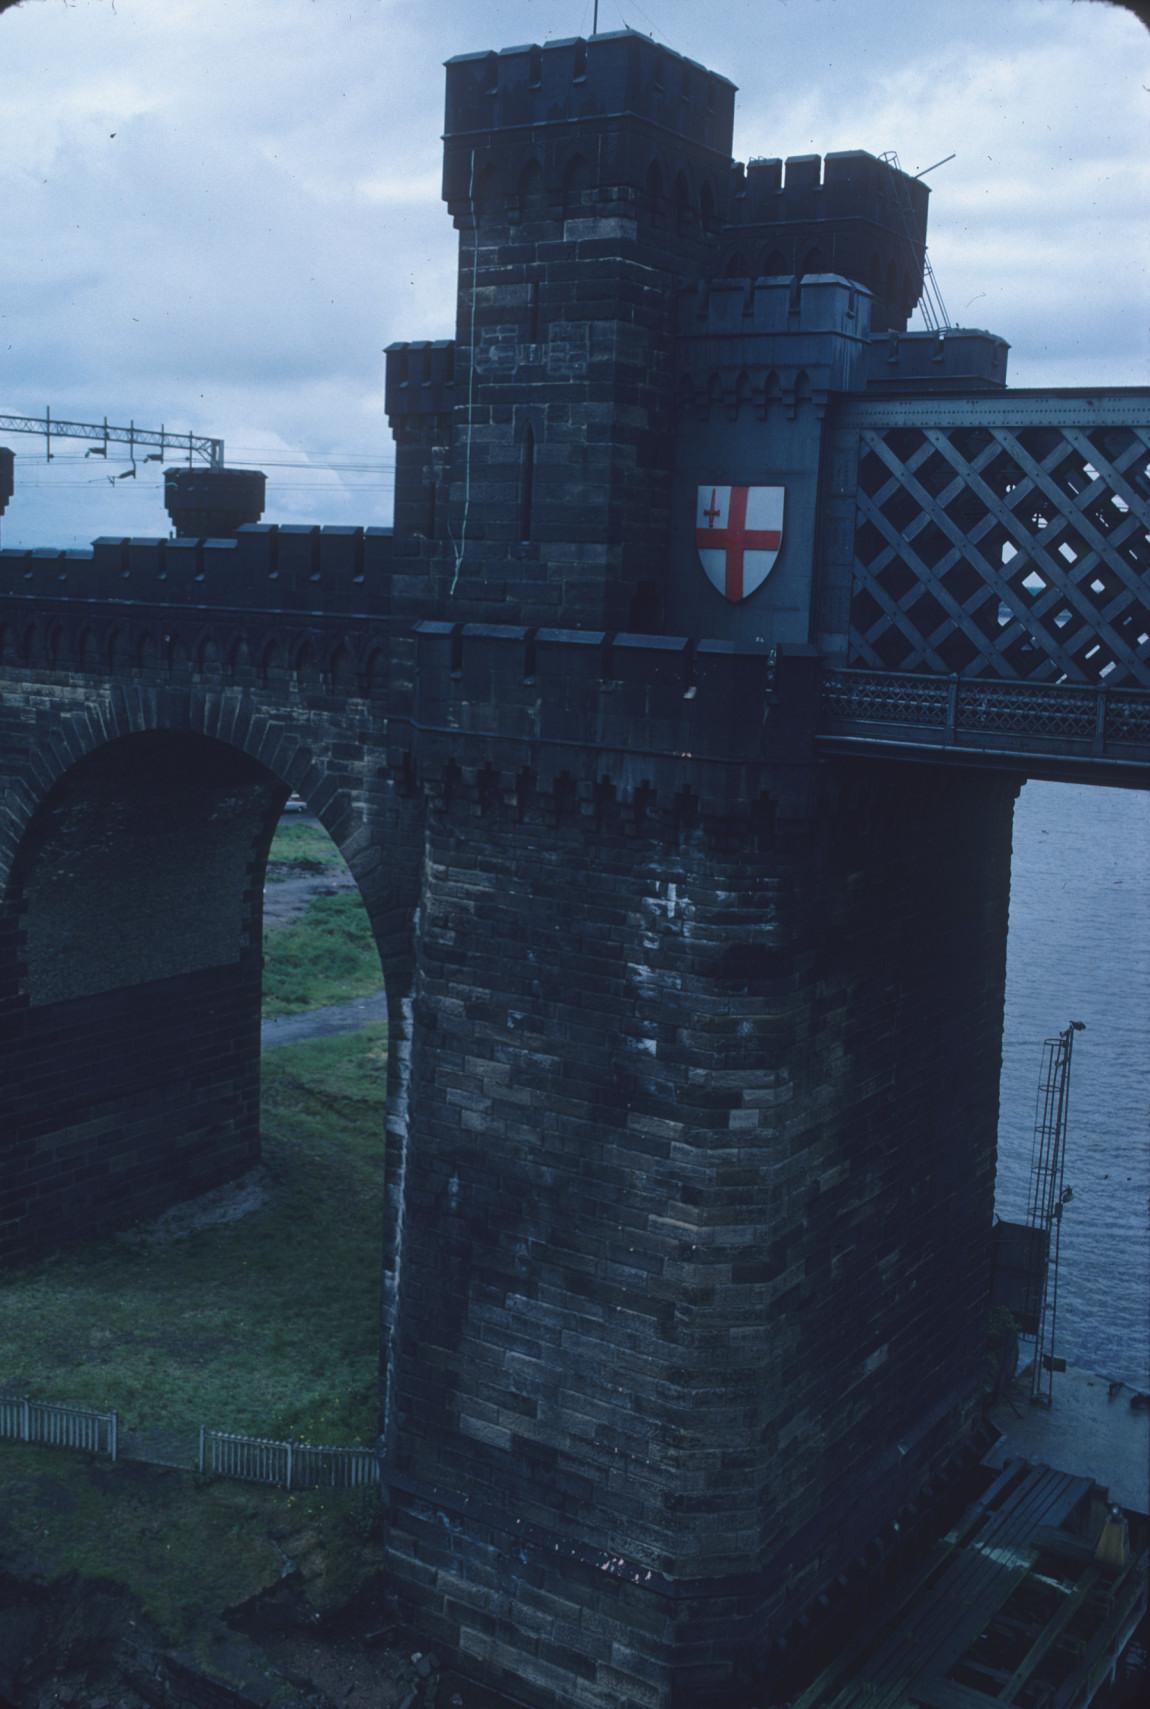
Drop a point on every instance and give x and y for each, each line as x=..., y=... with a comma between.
x=1003, y=537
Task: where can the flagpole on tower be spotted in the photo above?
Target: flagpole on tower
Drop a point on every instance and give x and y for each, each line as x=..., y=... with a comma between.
x=595, y=19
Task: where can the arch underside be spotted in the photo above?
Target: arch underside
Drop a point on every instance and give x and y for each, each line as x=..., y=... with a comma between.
x=131, y=905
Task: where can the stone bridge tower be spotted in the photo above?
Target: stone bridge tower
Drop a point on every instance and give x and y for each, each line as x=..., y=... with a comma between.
x=696, y=1225
x=695, y=983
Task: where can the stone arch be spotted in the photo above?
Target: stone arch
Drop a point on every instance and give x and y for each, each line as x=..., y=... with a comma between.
x=578, y=179
x=802, y=389
x=273, y=657
x=208, y=657
x=147, y=652
x=736, y=266
x=707, y=211
x=683, y=208
x=131, y=882
x=813, y=261
x=88, y=655
x=532, y=197
x=374, y=671
x=341, y=672
x=489, y=192
x=239, y=657
x=775, y=265
x=303, y=659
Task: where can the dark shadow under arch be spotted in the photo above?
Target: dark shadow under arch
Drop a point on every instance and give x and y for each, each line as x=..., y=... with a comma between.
x=131, y=1015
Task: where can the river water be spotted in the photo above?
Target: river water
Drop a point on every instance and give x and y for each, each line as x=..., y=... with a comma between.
x=1079, y=950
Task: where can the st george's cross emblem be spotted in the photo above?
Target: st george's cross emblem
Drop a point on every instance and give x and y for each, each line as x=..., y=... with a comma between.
x=738, y=531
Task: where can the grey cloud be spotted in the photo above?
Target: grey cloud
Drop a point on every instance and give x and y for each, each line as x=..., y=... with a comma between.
x=264, y=219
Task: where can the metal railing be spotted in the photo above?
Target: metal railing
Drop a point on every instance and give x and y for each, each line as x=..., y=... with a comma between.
x=51, y=1425
x=1075, y=720
x=292, y=1465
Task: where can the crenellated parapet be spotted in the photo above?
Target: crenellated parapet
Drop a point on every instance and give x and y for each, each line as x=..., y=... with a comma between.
x=642, y=712
x=769, y=344
x=264, y=568
x=559, y=127
x=960, y=359
x=848, y=213
x=420, y=380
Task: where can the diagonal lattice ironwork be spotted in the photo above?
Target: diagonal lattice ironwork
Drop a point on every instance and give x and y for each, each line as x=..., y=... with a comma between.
x=1015, y=549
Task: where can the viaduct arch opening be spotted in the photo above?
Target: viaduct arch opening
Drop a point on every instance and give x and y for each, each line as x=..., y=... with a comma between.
x=135, y=902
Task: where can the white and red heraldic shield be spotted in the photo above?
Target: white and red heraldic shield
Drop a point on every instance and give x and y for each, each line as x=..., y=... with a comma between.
x=738, y=531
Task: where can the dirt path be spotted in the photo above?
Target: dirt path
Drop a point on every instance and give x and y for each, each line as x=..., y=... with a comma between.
x=286, y=898
x=324, y=1023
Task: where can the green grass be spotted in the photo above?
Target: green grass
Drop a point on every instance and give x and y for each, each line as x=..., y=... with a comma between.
x=184, y=1547
x=268, y=1326
x=328, y=955
x=300, y=847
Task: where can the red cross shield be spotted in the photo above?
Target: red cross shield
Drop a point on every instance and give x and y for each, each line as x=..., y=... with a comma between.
x=738, y=531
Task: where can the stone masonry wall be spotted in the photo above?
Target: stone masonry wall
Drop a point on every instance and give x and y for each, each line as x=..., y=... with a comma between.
x=135, y=815
x=691, y=1093
x=697, y=1212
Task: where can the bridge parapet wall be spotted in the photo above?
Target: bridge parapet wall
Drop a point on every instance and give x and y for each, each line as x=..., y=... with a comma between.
x=641, y=713
x=265, y=568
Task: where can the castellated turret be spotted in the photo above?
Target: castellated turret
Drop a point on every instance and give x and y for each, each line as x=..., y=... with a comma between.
x=638, y=315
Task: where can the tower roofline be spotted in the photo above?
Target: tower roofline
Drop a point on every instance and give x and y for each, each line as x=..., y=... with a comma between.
x=619, y=76
x=556, y=42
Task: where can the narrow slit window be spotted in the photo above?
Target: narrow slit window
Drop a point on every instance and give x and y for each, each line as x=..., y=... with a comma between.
x=527, y=485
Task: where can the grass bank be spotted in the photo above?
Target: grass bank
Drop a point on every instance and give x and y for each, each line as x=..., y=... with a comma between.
x=300, y=847
x=268, y=1325
x=183, y=1547
x=328, y=954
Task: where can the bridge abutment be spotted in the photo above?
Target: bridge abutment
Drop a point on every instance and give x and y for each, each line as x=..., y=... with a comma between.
x=696, y=1208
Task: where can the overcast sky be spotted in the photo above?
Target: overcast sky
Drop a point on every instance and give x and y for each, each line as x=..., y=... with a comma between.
x=216, y=213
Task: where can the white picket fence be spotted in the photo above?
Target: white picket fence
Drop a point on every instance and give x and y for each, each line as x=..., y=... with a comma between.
x=54, y=1426
x=293, y=1465
x=255, y=1459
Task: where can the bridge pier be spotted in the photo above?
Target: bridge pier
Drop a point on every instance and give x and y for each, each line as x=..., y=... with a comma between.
x=129, y=1021
x=694, y=1213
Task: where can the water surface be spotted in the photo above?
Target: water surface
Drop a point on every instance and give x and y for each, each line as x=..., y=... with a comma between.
x=1079, y=949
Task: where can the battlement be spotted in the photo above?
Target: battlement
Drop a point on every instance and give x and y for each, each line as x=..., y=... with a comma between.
x=638, y=705
x=264, y=568
x=420, y=377
x=849, y=184
x=737, y=308
x=618, y=74
x=959, y=359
